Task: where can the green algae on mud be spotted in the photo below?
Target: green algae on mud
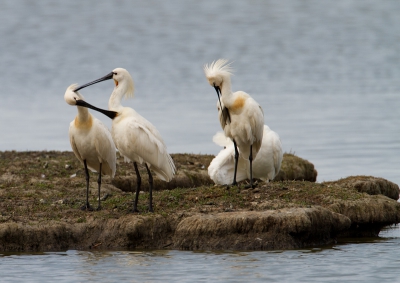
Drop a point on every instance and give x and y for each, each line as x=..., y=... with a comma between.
x=41, y=192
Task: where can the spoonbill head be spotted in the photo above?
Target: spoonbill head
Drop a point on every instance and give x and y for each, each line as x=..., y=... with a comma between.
x=122, y=80
x=71, y=96
x=218, y=73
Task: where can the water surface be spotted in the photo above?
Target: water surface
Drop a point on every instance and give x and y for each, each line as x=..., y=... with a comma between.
x=362, y=260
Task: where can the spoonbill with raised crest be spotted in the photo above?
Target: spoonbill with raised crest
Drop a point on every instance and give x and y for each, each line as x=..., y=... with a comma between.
x=242, y=117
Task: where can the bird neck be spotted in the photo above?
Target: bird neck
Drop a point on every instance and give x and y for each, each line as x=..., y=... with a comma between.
x=226, y=92
x=115, y=99
x=83, y=114
x=83, y=121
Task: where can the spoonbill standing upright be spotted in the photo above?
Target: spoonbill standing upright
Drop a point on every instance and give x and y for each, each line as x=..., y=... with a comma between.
x=91, y=142
x=242, y=117
x=135, y=137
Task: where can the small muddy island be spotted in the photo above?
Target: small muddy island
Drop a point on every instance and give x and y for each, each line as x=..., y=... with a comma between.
x=41, y=194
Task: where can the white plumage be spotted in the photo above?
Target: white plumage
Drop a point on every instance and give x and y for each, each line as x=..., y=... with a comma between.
x=265, y=166
x=138, y=140
x=91, y=142
x=135, y=137
x=242, y=117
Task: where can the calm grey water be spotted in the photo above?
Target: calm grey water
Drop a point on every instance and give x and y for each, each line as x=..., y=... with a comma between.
x=371, y=261
x=325, y=72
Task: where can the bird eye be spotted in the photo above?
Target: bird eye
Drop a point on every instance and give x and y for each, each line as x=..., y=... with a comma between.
x=115, y=73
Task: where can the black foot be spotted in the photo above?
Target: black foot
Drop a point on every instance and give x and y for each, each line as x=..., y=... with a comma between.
x=251, y=187
x=99, y=208
x=233, y=185
x=134, y=210
x=151, y=210
x=87, y=207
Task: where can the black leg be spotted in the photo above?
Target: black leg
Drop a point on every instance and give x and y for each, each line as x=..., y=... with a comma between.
x=251, y=166
x=87, y=206
x=99, y=183
x=138, y=183
x=150, y=189
x=236, y=163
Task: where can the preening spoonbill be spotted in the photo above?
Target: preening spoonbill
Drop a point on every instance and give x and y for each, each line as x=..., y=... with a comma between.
x=135, y=137
x=91, y=142
x=242, y=117
x=265, y=166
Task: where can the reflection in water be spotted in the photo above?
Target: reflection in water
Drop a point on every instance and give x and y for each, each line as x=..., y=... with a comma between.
x=345, y=262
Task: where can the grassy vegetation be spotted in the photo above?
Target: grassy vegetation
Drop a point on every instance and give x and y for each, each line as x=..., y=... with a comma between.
x=37, y=186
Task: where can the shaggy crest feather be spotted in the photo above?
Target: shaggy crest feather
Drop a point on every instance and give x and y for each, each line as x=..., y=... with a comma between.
x=122, y=74
x=217, y=67
x=130, y=90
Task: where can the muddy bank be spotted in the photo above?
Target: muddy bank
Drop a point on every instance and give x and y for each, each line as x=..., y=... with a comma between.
x=41, y=192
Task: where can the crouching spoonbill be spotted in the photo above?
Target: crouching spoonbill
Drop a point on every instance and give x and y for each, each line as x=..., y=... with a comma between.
x=265, y=166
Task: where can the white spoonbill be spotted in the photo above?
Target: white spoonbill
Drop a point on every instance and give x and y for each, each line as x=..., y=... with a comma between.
x=135, y=137
x=265, y=166
x=242, y=117
x=91, y=142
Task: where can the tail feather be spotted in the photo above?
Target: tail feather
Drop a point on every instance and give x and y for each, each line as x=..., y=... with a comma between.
x=221, y=140
x=167, y=171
